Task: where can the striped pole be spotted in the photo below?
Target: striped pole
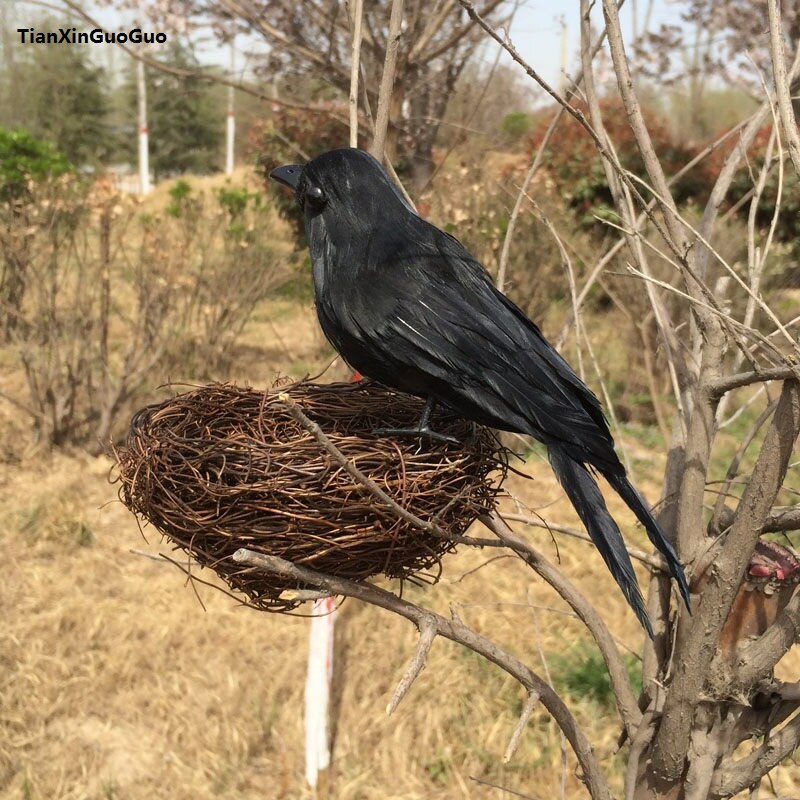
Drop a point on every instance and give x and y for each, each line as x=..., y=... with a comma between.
x=318, y=690
x=230, y=131
x=144, y=156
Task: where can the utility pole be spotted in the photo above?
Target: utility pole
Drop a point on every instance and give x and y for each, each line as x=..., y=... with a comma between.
x=564, y=56
x=144, y=155
x=230, y=131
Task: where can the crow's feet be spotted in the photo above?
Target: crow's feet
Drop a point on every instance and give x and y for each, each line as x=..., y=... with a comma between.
x=420, y=433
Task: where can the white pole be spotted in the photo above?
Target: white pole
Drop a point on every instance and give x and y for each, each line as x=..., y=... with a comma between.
x=318, y=689
x=231, y=126
x=144, y=161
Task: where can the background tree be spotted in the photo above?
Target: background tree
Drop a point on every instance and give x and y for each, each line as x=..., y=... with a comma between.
x=312, y=38
x=60, y=96
x=184, y=117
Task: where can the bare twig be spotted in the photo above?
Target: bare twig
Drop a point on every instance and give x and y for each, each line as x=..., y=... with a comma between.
x=430, y=527
x=355, y=62
x=788, y=122
x=638, y=744
x=644, y=142
x=538, y=158
x=456, y=631
x=651, y=559
x=620, y=681
x=728, y=383
x=732, y=778
x=387, y=81
x=733, y=470
x=203, y=75
x=777, y=521
x=757, y=658
x=527, y=709
x=427, y=633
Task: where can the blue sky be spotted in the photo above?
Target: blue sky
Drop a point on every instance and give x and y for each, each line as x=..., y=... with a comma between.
x=536, y=30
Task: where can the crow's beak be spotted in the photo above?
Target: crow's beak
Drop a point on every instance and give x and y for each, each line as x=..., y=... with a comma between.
x=288, y=175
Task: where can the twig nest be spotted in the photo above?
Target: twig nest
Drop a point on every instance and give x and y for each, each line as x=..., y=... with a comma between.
x=223, y=467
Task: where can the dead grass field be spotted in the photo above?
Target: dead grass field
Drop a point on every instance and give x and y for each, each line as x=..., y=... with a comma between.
x=117, y=683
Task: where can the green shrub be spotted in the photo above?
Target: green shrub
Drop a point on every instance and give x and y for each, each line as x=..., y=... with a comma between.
x=23, y=159
x=582, y=673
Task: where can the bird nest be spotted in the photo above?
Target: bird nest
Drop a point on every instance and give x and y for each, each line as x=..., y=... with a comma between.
x=221, y=468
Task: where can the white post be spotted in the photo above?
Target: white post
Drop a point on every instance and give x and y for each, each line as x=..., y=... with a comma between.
x=231, y=125
x=318, y=689
x=144, y=160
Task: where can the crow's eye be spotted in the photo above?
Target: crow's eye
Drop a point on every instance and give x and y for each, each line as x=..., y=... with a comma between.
x=315, y=197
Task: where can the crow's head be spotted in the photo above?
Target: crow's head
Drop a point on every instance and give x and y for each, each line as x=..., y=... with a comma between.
x=345, y=188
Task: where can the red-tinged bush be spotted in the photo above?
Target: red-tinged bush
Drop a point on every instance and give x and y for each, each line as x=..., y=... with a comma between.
x=577, y=169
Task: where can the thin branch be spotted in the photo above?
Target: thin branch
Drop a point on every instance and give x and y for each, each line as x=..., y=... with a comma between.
x=720, y=386
x=788, y=122
x=387, y=81
x=652, y=560
x=644, y=142
x=428, y=526
x=427, y=633
x=311, y=427
x=620, y=680
x=186, y=72
x=758, y=657
x=620, y=243
x=730, y=779
x=355, y=62
x=245, y=10
x=717, y=524
x=434, y=24
x=777, y=521
x=456, y=631
x=539, y=157
x=638, y=744
x=527, y=710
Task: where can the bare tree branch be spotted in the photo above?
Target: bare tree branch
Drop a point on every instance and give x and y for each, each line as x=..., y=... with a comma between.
x=456, y=631
x=537, y=161
x=387, y=81
x=651, y=559
x=427, y=633
x=778, y=521
x=671, y=742
x=757, y=658
x=733, y=778
x=530, y=704
x=788, y=121
x=430, y=527
x=355, y=63
x=728, y=383
x=620, y=681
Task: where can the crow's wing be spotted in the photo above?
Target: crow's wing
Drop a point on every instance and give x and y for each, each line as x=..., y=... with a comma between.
x=427, y=318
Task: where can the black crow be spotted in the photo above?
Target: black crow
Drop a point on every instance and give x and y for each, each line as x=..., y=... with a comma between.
x=405, y=304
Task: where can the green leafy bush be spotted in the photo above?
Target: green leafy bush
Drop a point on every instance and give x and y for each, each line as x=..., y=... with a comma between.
x=23, y=159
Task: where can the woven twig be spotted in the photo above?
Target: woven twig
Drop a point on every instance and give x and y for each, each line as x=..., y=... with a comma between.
x=223, y=467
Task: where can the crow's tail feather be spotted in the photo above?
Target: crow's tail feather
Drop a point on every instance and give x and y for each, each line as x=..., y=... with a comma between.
x=584, y=494
x=625, y=490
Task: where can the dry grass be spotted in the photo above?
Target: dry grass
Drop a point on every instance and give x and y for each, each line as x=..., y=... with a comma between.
x=116, y=683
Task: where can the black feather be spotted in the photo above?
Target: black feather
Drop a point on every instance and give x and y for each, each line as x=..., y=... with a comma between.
x=584, y=494
x=404, y=303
